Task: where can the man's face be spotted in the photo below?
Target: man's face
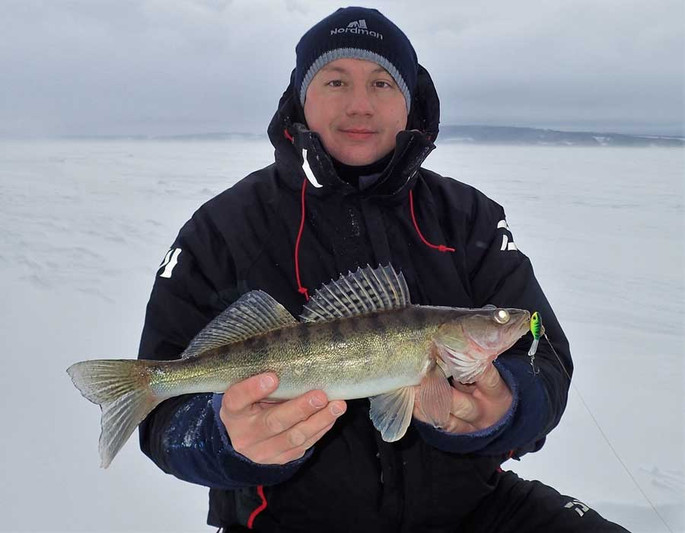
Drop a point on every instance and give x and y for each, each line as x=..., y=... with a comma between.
x=357, y=109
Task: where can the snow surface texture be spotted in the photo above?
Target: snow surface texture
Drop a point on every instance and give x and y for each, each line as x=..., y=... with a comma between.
x=85, y=224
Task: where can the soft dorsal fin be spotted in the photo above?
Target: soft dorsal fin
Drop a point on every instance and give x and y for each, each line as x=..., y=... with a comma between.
x=252, y=314
x=364, y=291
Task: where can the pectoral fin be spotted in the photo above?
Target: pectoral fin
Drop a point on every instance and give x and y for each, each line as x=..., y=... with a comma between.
x=461, y=365
x=391, y=413
x=435, y=397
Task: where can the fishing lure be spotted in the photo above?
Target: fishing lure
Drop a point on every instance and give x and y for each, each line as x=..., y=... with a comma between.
x=538, y=330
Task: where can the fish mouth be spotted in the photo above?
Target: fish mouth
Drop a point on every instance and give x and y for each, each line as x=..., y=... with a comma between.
x=517, y=327
x=523, y=323
x=501, y=337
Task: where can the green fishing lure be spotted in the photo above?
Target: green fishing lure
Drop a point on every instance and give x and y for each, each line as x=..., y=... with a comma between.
x=538, y=330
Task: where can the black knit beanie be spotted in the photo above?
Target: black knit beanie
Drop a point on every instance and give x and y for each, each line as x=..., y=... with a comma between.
x=359, y=33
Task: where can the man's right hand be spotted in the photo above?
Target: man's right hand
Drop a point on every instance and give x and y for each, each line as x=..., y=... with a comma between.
x=275, y=433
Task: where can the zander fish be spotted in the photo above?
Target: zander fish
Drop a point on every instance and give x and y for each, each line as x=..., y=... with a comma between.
x=357, y=337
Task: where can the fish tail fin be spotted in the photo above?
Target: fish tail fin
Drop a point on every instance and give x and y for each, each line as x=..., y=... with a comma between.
x=122, y=390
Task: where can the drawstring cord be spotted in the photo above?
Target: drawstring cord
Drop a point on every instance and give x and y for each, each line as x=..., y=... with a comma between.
x=300, y=288
x=309, y=177
x=439, y=247
x=303, y=290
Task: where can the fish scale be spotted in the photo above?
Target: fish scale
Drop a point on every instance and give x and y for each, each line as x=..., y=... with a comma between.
x=308, y=357
x=358, y=337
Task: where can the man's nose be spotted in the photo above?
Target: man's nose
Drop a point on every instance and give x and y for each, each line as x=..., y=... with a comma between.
x=360, y=101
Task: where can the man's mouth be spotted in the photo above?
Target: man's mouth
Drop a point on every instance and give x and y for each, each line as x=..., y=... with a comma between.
x=357, y=133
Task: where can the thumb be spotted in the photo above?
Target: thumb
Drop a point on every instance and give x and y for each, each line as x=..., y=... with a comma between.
x=491, y=382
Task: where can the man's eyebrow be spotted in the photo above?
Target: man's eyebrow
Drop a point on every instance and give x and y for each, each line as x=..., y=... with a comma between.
x=334, y=69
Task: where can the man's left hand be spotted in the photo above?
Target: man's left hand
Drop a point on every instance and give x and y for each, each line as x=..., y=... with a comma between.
x=477, y=405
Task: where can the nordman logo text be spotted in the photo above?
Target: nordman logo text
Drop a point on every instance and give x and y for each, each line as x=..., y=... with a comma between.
x=358, y=31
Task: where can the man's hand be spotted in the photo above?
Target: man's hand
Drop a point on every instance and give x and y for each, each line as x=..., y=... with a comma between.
x=275, y=433
x=475, y=406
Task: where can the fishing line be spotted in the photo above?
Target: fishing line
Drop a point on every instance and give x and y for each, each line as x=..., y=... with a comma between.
x=604, y=436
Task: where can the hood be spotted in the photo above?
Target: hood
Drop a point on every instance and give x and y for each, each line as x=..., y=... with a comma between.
x=291, y=139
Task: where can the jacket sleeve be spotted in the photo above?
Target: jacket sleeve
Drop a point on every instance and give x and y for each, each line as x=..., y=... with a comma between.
x=502, y=275
x=184, y=435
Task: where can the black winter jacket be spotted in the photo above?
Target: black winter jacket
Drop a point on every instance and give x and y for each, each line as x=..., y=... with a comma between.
x=244, y=239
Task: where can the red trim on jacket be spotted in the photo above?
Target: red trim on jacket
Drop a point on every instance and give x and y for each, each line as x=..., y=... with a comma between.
x=262, y=506
x=302, y=290
x=439, y=247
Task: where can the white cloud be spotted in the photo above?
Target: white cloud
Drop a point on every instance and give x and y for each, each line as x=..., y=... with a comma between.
x=151, y=66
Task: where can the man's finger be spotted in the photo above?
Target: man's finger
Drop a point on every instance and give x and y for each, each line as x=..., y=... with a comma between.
x=317, y=424
x=490, y=382
x=296, y=453
x=294, y=441
x=455, y=425
x=467, y=388
x=282, y=417
x=313, y=440
x=464, y=407
x=243, y=394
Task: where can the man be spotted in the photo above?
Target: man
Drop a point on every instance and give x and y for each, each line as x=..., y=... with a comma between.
x=346, y=190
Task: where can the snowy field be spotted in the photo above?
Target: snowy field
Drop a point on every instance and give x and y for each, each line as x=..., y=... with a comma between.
x=85, y=224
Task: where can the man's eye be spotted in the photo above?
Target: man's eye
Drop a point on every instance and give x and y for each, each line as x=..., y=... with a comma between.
x=335, y=83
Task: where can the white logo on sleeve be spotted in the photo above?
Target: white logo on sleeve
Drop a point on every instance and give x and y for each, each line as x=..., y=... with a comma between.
x=170, y=261
x=578, y=507
x=507, y=241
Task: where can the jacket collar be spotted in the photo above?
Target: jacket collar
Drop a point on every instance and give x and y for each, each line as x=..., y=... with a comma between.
x=292, y=139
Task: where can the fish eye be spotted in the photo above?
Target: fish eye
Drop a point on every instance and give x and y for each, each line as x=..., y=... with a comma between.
x=501, y=316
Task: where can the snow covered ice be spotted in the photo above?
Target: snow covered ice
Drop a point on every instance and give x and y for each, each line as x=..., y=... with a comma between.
x=86, y=223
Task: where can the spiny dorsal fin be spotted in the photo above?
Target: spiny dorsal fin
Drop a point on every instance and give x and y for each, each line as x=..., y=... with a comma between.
x=364, y=291
x=252, y=314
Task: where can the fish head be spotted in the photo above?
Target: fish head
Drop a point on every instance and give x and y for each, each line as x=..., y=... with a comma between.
x=468, y=342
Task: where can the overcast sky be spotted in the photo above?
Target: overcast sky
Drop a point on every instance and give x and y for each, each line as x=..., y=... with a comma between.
x=155, y=67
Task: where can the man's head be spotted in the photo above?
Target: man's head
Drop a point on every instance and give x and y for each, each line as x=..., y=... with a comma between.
x=355, y=75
